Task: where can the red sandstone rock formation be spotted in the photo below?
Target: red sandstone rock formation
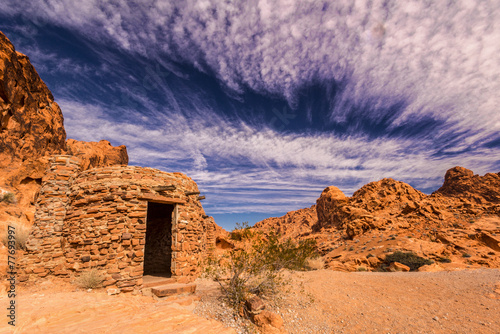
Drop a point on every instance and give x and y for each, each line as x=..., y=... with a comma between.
x=293, y=224
x=462, y=183
x=97, y=154
x=31, y=130
x=31, y=126
x=459, y=223
x=31, y=122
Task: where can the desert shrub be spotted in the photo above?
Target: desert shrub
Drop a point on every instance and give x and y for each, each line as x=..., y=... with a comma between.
x=315, y=263
x=21, y=235
x=361, y=268
x=91, y=279
x=258, y=271
x=407, y=258
x=8, y=197
x=444, y=260
x=466, y=255
x=242, y=231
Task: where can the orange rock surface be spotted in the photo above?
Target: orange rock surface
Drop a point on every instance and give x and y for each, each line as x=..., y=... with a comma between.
x=97, y=154
x=458, y=226
x=31, y=130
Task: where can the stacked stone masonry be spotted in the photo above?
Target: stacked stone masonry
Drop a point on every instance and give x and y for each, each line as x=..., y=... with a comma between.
x=98, y=219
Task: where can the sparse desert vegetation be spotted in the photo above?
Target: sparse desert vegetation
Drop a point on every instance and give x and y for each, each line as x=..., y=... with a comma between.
x=8, y=197
x=20, y=235
x=257, y=269
x=91, y=279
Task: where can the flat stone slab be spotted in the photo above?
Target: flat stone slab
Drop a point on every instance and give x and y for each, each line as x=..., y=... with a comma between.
x=174, y=289
x=149, y=281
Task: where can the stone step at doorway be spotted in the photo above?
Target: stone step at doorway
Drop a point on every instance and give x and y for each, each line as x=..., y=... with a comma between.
x=174, y=289
x=165, y=286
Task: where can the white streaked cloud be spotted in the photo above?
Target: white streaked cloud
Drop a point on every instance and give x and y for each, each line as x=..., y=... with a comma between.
x=443, y=57
x=227, y=159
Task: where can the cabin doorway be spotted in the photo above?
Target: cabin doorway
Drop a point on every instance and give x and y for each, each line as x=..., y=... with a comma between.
x=158, y=247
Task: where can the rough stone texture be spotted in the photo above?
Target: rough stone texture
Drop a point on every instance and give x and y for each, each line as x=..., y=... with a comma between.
x=396, y=266
x=31, y=131
x=269, y=323
x=31, y=126
x=458, y=226
x=255, y=305
x=97, y=154
x=31, y=123
x=293, y=224
x=97, y=219
x=366, y=208
x=331, y=198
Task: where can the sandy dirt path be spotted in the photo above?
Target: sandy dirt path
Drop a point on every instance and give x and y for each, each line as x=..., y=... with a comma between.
x=322, y=301
x=326, y=301
x=416, y=302
x=55, y=307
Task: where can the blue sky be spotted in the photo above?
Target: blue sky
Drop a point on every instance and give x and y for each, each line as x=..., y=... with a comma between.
x=266, y=103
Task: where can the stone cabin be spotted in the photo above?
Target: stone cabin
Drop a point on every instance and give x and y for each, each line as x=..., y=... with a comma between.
x=132, y=223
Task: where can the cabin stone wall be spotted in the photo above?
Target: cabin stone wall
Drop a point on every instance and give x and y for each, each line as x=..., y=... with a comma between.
x=97, y=219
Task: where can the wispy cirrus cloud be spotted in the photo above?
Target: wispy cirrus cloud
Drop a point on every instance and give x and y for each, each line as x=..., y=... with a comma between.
x=292, y=169
x=442, y=57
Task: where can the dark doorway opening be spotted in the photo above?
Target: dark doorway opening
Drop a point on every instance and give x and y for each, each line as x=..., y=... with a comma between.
x=158, y=248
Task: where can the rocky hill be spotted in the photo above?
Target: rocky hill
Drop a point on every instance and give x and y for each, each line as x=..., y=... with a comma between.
x=32, y=129
x=457, y=226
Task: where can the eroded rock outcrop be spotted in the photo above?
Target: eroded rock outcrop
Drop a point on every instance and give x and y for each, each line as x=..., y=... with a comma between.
x=457, y=226
x=31, y=122
x=372, y=206
x=97, y=154
x=293, y=224
x=460, y=182
x=32, y=130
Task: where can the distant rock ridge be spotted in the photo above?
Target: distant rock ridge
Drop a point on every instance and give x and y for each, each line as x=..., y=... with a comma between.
x=293, y=224
x=31, y=130
x=462, y=183
x=460, y=222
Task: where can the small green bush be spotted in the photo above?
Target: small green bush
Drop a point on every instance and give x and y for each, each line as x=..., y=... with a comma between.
x=8, y=197
x=259, y=271
x=241, y=232
x=466, y=255
x=21, y=234
x=407, y=258
x=444, y=260
x=361, y=268
x=90, y=279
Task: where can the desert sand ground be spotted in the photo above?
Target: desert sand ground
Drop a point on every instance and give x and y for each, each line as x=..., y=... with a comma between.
x=321, y=301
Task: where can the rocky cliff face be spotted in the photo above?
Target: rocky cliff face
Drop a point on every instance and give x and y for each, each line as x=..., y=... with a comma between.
x=460, y=222
x=31, y=130
x=31, y=122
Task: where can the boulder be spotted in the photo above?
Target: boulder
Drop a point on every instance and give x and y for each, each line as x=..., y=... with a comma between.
x=269, y=323
x=255, y=305
x=396, y=266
